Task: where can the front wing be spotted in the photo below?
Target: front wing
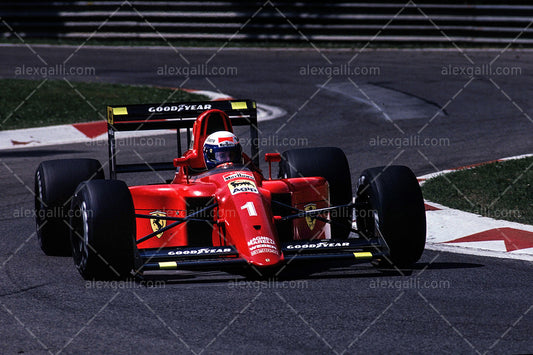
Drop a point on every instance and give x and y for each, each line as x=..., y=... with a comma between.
x=227, y=258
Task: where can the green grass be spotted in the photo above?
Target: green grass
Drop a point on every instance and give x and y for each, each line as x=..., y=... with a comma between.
x=502, y=190
x=32, y=103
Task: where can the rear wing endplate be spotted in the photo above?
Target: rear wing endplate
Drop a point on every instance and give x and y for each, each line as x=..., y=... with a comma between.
x=176, y=116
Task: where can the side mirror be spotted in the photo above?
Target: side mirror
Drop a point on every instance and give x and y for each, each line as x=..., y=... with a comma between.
x=272, y=158
x=181, y=162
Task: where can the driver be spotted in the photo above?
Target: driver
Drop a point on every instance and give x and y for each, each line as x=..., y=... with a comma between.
x=222, y=147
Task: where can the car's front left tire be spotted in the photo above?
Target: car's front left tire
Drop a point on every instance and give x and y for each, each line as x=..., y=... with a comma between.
x=103, y=233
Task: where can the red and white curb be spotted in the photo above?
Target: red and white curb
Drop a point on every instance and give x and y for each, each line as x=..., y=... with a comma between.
x=468, y=233
x=97, y=131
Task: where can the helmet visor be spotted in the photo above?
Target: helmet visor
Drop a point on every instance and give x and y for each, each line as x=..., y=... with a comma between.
x=225, y=155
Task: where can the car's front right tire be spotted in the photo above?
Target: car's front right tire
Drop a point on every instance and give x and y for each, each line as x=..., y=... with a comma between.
x=390, y=204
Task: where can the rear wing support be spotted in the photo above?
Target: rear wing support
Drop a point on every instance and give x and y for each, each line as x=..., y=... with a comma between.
x=178, y=116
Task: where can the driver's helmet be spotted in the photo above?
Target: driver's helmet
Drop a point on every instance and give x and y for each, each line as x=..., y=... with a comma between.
x=222, y=147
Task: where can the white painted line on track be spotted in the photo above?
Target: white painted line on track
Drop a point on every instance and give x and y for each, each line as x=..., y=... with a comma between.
x=264, y=112
x=97, y=131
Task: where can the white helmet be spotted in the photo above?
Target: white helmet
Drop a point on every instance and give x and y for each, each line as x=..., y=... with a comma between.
x=222, y=147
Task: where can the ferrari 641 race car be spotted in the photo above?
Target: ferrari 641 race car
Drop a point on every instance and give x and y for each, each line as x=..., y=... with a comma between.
x=231, y=217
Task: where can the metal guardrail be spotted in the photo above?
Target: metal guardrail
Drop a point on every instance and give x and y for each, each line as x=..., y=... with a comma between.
x=489, y=22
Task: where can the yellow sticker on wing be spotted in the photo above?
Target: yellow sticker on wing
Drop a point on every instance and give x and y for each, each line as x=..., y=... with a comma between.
x=120, y=111
x=363, y=255
x=239, y=105
x=165, y=265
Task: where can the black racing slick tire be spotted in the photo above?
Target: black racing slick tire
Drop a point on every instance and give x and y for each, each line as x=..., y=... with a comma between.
x=331, y=164
x=389, y=201
x=55, y=183
x=103, y=234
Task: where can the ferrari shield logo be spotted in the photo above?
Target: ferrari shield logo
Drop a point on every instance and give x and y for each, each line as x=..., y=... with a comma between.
x=157, y=224
x=310, y=220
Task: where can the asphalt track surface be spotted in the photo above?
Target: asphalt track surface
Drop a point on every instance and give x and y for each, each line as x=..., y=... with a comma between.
x=449, y=303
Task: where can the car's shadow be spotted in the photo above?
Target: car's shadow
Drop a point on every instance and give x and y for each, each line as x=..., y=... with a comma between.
x=319, y=273
x=445, y=266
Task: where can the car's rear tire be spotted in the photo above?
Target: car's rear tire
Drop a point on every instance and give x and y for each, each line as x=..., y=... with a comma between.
x=331, y=164
x=55, y=183
x=390, y=201
x=103, y=234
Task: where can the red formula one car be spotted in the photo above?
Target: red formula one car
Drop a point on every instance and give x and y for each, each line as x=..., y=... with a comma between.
x=231, y=217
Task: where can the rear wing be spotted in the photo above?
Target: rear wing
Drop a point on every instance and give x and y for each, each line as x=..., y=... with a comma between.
x=178, y=116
